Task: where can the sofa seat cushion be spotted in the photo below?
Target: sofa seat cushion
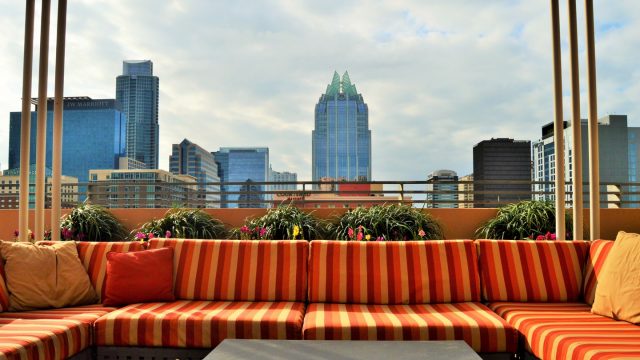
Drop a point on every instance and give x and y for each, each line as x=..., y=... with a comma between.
x=86, y=314
x=42, y=339
x=199, y=324
x=472, y=322
x=570, y=331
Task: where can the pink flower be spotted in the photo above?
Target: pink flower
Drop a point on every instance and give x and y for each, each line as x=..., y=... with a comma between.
x=263, y=231
x=421, y=233
x=150, y=236
x=540, y=237
x=350, y=233
x=140, y=235
x=380, y=238
x=360, y=235
x=245, y=229
x=167, y=234
x=552, y=237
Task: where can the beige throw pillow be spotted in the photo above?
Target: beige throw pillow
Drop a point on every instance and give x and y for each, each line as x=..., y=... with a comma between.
x=45, y=276
x=618, y=290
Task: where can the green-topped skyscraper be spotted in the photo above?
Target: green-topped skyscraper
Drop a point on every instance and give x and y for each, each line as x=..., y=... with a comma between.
x=341, y=138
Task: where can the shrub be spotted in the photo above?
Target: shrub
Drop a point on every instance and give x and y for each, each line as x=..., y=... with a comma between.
x=183, y=223
x=282, y=223
x=525, y=219
x=91, y=223
x=386, y=222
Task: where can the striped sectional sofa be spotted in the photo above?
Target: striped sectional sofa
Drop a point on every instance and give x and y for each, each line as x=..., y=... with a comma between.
x=501, y=297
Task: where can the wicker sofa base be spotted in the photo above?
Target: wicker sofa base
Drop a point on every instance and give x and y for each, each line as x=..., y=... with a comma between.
x=156, y=353
x=86, y=354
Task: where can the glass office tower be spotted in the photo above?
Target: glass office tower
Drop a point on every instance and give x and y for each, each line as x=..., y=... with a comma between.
x=93, y=136
x=188, y=158
x=137, y=91
x=341, y=139
x=245, y=165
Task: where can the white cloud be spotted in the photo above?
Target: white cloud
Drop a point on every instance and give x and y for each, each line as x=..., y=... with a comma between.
x=438, y=76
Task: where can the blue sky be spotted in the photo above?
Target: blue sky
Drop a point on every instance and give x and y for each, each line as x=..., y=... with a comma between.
x=438, y=76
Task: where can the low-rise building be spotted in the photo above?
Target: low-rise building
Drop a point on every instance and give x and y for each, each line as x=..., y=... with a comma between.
x=10, y=182
x=141, y=188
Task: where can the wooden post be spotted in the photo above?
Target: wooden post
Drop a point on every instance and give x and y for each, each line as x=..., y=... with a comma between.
x=25, y=123
x=56, y=162
x=594, y=155
x=41, y=137
x=576, y=124
x=558, y=129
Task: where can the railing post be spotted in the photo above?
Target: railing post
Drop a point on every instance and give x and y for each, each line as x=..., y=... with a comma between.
x=25, y=123
x=558, y=132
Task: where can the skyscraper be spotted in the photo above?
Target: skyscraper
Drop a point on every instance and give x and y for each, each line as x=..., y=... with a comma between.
x=442, y=189
x=247, y=166
x=341, y=140
x=93, y=136
x=188, y=158
x=618, y=159
x=501, y=160
x=283, y=177
x=137, y=90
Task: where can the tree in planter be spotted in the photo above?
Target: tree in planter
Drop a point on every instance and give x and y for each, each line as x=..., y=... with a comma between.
x=182, y=223
x=386, y=222
x=524, y=220
x=88, y=222
x=285, y=222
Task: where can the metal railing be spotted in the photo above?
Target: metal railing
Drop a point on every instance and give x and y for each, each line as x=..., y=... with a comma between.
x=309, y=194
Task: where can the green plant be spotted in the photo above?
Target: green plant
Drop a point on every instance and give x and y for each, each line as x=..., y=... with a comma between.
x=280, y=223
x=525, y=219
x=183, y=223
x=90, y=222
x=386, y=222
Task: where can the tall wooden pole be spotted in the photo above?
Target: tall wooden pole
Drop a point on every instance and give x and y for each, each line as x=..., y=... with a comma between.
x=576, y=124
x=25, y=126
x=56, y=161
x=41, y=138
x=558, y=129
x=594, y=154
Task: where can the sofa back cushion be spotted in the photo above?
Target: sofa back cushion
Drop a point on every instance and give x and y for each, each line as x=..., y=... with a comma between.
x=597, y=255
x=238, y=270
x=393, y=272
x=524, y=270
x=4, y=292
x=93, y=256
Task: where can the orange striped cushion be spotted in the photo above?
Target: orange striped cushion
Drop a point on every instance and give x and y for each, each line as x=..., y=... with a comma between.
x=199, y=324
x=238, y=270
x=94, y=258
x=393, y=272
x=87, y=314
x=4, y=292
x=523, y=270
x=570, y=331
x=42, y=339
x=598, y=253
x=474, y=323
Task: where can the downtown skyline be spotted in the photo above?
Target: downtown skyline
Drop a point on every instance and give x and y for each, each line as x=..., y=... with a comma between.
x=436, y=83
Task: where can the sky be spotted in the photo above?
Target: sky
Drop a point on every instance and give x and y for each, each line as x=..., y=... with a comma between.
x=438, y=76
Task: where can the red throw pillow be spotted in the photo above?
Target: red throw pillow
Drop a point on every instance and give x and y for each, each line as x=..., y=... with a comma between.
x=139, y=276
